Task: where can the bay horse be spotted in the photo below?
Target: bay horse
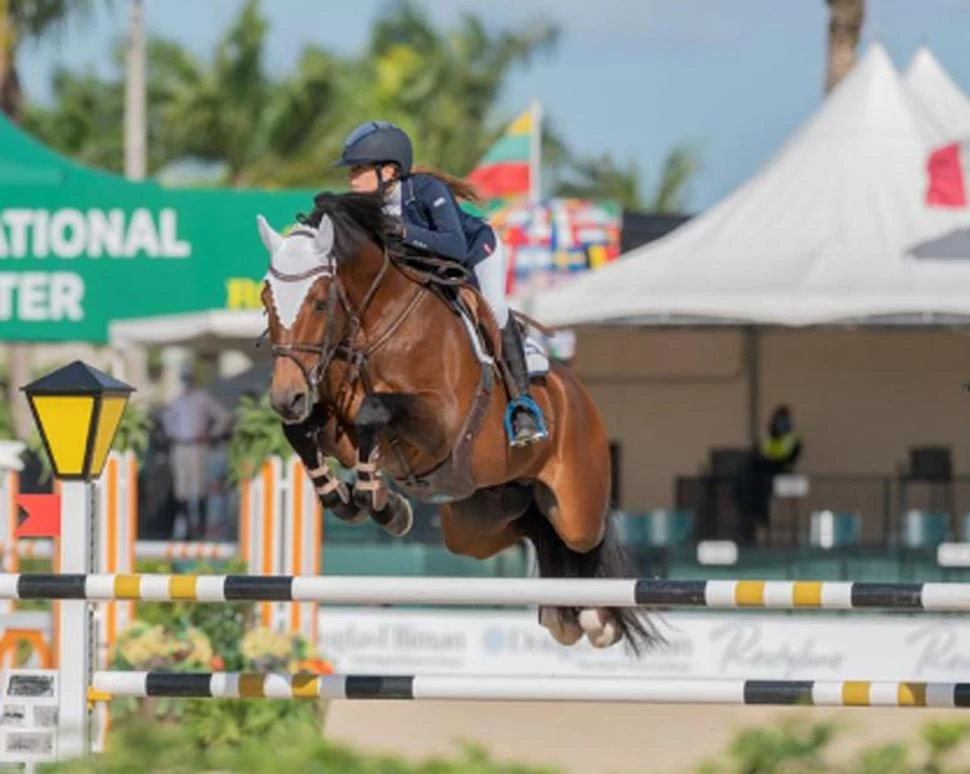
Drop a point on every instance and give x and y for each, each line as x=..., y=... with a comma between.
x=392, y=370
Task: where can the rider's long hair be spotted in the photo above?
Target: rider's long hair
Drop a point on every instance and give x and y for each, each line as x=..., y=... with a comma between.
x=460, y=189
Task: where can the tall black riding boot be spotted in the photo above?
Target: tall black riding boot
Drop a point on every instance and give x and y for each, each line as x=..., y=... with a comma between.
x=524, y=414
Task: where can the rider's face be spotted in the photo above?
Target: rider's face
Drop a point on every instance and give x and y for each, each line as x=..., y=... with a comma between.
x=363, y=177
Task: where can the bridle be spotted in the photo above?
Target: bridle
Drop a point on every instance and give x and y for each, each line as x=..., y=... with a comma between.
x=331, y=346
x=344, y=345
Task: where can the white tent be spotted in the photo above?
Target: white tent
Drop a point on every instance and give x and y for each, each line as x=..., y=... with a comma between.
x=820, y=235
x=939, y=95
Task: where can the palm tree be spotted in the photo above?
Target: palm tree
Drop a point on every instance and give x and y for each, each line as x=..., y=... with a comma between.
x=305, y=125
x=439, y=85
x=670, y=194
x=601, y=178
x=216, y=110
x=85, y=120
x=845, y=26
x=22, y=20
x=442, y=85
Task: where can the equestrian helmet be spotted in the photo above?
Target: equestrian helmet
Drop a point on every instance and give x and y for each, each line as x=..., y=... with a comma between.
x=378, y=142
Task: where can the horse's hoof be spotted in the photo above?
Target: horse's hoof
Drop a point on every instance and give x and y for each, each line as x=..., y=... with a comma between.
x=350, y=513
x=562, y=624
x=397, y=517
x=600, y=626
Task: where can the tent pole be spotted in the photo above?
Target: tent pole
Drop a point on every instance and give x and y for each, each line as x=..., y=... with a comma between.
x=752, y=356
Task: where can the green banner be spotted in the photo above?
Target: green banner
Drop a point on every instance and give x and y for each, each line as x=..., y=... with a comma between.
x=80, y=248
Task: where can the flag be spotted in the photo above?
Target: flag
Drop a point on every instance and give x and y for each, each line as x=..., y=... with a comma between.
x=947, y=169
x=510, y=168
x=43, y=515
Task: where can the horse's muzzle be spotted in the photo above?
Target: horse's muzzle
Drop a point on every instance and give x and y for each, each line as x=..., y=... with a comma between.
x=293, y=405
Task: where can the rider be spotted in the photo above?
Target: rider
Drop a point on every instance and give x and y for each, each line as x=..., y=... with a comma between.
x=380, y=155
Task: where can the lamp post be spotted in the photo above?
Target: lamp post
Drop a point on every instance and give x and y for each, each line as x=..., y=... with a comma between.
x=77, y=410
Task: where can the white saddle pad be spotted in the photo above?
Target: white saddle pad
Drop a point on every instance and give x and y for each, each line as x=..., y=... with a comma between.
x=536, y=356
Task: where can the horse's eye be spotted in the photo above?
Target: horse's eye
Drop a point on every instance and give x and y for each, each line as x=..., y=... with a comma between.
x=320, y=306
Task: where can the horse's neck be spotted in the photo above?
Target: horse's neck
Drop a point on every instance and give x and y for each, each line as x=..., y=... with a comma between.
x=384, y=290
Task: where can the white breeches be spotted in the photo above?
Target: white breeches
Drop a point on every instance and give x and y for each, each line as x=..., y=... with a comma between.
x=490, y=274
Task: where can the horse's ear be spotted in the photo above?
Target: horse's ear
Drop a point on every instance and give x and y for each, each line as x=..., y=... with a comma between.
x=270, y=238
x=324, y=236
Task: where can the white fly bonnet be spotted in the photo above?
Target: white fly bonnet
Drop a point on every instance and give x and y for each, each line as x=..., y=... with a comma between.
x=298, y=260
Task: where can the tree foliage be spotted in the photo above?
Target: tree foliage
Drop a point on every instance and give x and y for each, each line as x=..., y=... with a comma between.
x=442, y=85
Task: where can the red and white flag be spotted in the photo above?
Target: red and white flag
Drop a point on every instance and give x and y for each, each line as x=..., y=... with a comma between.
x=947, y=168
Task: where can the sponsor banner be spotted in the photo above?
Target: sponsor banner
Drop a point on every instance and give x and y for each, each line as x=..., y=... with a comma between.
x=699, y=645
x=80, y=248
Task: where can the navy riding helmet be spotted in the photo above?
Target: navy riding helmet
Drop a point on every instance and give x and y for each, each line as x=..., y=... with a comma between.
x=378, y=142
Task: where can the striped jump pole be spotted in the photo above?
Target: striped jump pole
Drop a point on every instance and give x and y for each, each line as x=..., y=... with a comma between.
x=557, y=592
x=233, y=685
x=77, y=410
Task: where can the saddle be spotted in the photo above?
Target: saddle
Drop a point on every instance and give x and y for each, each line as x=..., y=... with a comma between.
x=453, y=284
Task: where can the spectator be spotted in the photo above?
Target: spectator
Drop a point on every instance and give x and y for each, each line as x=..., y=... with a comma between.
x=191, y=423
x=778, y=453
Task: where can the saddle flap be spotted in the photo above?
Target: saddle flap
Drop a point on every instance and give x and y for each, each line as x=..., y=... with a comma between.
x=484, y=322
x=445, y=279
x=473, y=303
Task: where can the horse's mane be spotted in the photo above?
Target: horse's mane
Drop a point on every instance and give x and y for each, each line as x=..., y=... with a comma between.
x=359, y=218
x=356, y=217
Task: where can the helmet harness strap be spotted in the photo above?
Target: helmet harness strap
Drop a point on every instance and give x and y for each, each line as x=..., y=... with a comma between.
x=381, y=182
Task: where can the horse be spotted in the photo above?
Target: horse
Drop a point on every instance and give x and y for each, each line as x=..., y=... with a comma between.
x=388, y=364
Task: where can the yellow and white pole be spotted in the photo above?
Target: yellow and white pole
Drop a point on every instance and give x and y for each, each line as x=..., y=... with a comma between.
x=75, y=631
x=77, y=410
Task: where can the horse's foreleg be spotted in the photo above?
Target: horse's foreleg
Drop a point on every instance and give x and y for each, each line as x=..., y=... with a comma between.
x=333, y=493
x=389, y=509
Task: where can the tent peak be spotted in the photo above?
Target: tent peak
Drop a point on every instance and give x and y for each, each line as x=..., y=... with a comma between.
x=872, y=99
x=939, y=95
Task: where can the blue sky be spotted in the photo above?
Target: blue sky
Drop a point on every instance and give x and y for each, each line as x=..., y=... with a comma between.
x=632, y=77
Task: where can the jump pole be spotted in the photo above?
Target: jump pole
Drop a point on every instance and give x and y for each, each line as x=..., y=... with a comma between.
x=493, y=592
x=817, y=693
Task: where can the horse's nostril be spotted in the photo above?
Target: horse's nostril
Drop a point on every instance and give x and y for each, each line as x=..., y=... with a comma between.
x=297, y=403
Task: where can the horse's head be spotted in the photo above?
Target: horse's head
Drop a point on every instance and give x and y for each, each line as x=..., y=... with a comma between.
x=298, y=298
x=307, y=304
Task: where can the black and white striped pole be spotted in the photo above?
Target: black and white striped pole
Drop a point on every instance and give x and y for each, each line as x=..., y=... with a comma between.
x=77, y=410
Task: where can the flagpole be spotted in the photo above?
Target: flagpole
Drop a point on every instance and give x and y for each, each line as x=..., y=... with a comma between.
x=535, y=153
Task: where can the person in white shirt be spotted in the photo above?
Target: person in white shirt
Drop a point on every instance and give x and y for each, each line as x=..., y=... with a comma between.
x=191, y=422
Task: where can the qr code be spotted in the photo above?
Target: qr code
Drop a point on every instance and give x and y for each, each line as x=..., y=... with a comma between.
x=31, y=686
x=45, y=717
x=34, y=743
x=14, y=715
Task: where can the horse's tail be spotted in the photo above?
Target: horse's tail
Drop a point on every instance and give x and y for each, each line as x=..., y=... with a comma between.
x=607, y=560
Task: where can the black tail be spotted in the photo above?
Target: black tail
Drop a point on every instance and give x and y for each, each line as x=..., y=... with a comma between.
x=607, y=560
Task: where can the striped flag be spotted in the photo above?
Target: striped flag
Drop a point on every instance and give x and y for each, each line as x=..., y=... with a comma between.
x=947, y=168
x=510, y=168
